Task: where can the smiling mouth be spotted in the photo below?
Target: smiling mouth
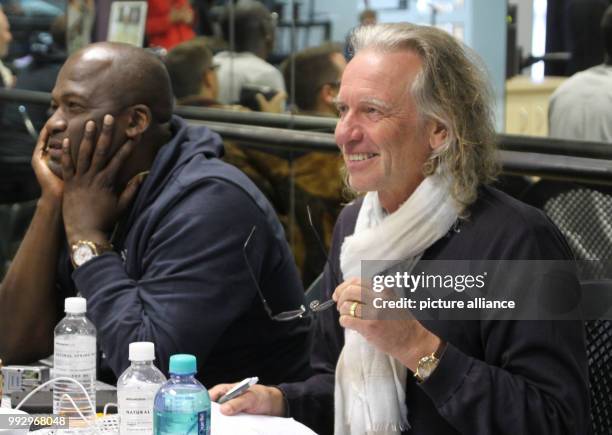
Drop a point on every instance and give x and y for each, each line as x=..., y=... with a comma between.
x=358, y=157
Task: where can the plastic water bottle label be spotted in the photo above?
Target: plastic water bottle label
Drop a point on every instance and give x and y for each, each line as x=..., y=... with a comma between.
x=75, y=356
x=136, y=409
x=172, y=423
x=203, y=422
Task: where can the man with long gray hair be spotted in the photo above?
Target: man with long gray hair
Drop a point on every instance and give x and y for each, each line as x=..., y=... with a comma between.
x=417, y=137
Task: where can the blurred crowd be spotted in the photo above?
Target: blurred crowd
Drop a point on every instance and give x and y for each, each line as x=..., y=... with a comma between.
x=218, y=56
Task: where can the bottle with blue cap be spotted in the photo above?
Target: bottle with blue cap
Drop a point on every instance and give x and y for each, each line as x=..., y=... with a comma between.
x=182, y=404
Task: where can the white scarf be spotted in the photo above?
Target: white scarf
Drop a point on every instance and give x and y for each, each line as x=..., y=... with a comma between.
x=370, y=395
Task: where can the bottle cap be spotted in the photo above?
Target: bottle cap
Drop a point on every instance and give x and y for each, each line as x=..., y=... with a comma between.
x=75, y=305
x=183, y=364
x=142, y=351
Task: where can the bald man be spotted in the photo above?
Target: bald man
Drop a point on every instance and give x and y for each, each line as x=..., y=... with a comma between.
x=140, y=217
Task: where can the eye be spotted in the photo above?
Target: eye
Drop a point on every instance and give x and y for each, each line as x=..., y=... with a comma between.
x=373, y=112
x=74, y=106
x=341, y=108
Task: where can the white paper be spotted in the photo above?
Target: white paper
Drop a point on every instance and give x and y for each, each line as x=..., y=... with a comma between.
x=242, y=424
x=245, y=424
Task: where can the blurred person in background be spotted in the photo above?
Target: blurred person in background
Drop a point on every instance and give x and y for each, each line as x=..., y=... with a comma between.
x=7, y=80
x=317, y=79
x=169, y=22
x=17, y=181
x=48, y=56
x=193, y=73
x=581, y=108
x=253, y=43
x=368, y=17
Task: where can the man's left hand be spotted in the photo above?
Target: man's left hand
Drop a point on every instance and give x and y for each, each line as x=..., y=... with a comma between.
x=92, y=202
x=406, y=340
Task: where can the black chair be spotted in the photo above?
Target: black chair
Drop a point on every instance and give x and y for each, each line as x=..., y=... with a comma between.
x=584, y=216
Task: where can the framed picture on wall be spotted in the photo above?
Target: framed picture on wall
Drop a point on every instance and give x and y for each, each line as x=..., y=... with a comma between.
x=127, y=22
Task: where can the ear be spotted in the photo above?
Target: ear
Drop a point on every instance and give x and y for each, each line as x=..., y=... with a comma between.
x=327, y=94
x=207, y=78
x=139, y=120
x=438, y=134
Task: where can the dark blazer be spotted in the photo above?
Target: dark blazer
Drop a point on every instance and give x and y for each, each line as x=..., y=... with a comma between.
x=495, y=377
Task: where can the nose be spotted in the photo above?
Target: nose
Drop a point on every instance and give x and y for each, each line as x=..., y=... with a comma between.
x=56, y=123
x=347, y=130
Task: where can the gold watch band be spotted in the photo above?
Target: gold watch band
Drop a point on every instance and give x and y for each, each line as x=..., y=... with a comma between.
x=95, y=249
x=428, y=363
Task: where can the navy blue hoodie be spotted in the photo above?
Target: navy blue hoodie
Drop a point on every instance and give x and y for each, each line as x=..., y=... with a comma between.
x=178, y=276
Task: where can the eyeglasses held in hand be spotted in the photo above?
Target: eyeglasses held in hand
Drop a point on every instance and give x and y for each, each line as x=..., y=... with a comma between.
x=283, y=316
x=316, y=305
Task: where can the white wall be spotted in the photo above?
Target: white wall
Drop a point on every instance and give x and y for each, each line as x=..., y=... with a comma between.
x=343, y=14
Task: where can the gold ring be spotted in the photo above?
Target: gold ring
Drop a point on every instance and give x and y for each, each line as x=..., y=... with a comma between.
x=353, y=309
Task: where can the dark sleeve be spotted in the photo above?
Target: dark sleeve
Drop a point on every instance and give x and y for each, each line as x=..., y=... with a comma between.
x=533, y=377
x=192, y=261
x=312, y=402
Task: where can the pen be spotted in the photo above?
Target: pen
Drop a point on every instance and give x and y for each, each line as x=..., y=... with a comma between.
x=238, y=389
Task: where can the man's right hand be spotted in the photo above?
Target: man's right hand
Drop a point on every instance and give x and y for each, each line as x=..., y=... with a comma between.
x=50, y=184
x=258, y=399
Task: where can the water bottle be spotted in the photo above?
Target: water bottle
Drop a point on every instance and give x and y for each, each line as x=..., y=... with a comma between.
x=136, y=389
x=74, y=356
x=182, y=405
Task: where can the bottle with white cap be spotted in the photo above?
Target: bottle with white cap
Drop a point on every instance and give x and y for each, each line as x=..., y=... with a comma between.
x=136, y=389
x=74, y=356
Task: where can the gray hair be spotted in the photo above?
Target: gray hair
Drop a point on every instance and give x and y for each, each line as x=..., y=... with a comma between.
x=452, y=89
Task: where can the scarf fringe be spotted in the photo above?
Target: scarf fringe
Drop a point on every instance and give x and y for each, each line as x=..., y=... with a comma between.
x=385, y=427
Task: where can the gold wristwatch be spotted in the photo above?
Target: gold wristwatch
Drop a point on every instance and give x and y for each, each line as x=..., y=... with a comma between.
x=84, y=250
x=428, y=364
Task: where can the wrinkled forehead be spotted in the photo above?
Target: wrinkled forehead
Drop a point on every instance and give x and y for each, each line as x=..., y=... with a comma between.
x=382, y=73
